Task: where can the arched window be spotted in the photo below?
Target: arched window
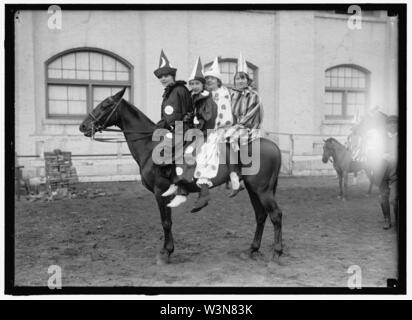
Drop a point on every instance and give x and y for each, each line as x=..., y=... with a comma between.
x=79, y=79
x=228, y=69
x=346, y=92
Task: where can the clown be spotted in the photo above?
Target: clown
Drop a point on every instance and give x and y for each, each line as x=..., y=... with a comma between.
x=247, y=112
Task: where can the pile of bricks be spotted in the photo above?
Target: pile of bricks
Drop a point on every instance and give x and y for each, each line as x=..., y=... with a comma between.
x=59, y=170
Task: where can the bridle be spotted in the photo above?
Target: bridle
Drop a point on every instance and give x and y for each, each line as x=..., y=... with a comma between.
x=331, y=152
x=98, y=127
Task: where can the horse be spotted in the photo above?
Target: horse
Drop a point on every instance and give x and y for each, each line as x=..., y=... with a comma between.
x=138, y=130
x=343, y=164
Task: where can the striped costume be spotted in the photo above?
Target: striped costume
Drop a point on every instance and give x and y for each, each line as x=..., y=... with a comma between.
x=248, y=116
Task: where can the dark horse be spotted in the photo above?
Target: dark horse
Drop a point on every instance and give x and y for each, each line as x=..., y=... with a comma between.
x=138, y=130
x=343, y=164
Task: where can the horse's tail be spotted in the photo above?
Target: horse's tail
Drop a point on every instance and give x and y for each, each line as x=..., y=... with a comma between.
x=276, y=171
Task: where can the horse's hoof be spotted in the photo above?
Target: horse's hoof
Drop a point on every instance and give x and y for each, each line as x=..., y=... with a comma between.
x=245, y=255
x=339, y=197
x=162, y=259
x=387, y=226
x=257, y=255
x=276, y=261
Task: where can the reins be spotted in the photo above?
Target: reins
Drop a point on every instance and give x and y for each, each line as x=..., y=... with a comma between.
x=145, y=134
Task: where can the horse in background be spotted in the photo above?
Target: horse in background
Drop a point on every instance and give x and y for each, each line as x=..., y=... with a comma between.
x=343, y=164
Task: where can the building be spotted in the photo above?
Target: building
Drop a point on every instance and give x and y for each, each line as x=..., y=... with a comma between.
x=315, y=75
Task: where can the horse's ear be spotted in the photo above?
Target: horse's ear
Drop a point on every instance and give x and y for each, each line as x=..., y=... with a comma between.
x=119, y=94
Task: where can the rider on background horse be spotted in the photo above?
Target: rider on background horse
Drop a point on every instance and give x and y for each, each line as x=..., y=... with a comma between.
x=389, y=184
x=176, y=104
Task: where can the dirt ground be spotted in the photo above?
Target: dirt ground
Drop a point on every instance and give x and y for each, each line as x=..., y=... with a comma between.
x=114, y=240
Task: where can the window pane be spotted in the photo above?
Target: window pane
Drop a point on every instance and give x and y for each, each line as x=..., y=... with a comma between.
x=55, y=73
x=223, y=67
x=341, y=72
x=69, y=61
x=362, y=83
x=58, y=92
x=121, y=67
x=341, y=82
x=96, y=75
x=122, y=76
x=56, y=64
x=351, y=110
x=337, y=109
x=337, y=97
x=334, y=82
x=351, y=97
x=69, y=74
x=77, y=107
x=108, y=75
x=83, y=75
x=82, y=60
x=328, y=97
x=57, y=107
x=77, y=93
x=109, y=63
x=96, y=61
x=101, y=93
x=360, y=98
x=348, y=82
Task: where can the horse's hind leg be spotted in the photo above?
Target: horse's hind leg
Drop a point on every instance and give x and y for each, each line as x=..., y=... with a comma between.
x=260, y=215
x=275, y=213
x=166, y=217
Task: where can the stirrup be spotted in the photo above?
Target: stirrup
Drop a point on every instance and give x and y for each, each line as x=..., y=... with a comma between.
x=172, y=189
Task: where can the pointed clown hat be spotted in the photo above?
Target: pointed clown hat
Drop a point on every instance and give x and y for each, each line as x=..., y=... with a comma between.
x=164, y=66
x=241, y=64
x=214, y=70
x=197, y=73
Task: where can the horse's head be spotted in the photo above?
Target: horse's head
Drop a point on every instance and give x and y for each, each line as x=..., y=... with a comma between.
x=328, y=150
x=103, y=116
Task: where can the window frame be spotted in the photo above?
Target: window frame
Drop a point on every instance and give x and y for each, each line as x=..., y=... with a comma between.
x=89, y=84
x=234, y=60
x=346, y=90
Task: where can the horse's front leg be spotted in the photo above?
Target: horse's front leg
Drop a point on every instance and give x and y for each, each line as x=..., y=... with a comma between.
x=345, y=185
x=340, y=184
x=166, y=217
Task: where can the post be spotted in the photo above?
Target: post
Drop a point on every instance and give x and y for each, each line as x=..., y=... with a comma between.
x=291, y=147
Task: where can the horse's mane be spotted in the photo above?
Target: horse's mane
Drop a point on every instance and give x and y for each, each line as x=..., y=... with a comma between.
x=333, y=140
x=140, y=114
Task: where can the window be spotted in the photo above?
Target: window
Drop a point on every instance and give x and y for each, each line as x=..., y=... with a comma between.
x=346, y=92
x=79, y=79
x=228, y=68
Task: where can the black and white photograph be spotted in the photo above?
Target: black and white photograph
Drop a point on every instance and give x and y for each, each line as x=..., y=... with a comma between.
x=205, y=148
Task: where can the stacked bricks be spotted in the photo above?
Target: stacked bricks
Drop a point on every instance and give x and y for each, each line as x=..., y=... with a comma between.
x=59, y=170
